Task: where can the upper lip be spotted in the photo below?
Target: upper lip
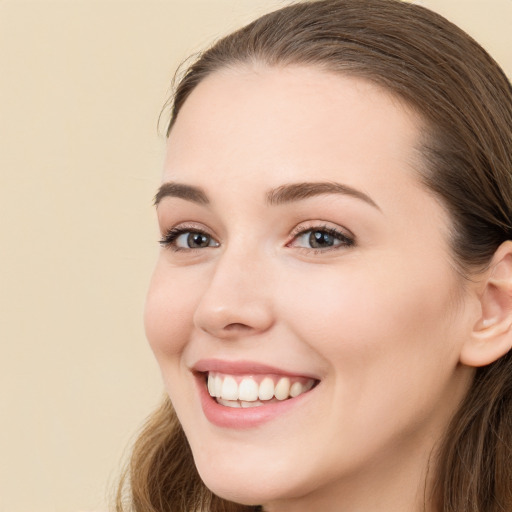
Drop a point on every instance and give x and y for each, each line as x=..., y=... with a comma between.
x=244, y=368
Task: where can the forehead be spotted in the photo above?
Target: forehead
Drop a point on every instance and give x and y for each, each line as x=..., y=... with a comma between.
x=282, y=124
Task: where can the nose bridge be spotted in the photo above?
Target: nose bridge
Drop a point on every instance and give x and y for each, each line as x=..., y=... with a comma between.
x=236, y=298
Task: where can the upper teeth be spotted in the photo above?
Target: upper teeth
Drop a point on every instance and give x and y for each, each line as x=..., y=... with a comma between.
x=247, y=389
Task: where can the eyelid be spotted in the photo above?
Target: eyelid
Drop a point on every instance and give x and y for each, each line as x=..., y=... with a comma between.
x=170, y=236
x=345, y=235
x=341, y=234
x=321, y=225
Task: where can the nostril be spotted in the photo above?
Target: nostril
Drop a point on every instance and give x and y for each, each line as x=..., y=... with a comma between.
x=237, y=327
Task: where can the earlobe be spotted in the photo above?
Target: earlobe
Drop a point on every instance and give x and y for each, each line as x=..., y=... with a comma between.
x=491, y=336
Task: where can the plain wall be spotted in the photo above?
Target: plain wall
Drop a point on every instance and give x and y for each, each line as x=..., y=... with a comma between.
x=81, y=86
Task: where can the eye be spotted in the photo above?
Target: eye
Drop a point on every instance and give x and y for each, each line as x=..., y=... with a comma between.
x=183, y=238
x=321, y=238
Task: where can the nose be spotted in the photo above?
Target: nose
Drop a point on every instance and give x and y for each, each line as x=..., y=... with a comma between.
x=237, y=300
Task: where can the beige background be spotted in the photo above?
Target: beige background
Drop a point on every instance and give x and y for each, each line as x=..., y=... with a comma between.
x=81, y=86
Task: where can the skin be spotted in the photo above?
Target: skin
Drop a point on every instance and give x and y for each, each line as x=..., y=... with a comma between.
x=379, y=322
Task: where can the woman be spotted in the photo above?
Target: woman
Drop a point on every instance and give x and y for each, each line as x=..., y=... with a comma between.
x=332, y=306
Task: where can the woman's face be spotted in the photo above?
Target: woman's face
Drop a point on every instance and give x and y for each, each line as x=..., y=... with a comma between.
x=302, y=256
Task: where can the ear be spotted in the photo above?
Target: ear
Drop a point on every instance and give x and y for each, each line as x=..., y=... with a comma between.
x=491, y=336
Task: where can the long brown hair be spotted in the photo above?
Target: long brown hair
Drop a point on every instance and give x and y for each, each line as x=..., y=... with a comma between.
x=465, y=101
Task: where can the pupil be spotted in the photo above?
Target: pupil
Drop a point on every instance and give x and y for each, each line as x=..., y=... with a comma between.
x=198, y=240
x=320, y=239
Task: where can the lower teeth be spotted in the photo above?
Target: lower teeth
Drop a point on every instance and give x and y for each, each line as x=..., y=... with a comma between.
x=240, y=404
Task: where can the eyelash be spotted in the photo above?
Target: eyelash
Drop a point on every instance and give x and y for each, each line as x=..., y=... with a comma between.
x=171, y=236
x=345, y=240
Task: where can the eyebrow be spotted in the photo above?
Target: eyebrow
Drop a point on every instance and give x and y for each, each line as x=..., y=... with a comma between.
x=281, y=195
x=300, y=191
x=187, y=192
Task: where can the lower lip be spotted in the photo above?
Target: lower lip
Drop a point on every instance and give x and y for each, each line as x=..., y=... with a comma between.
x=243, y=418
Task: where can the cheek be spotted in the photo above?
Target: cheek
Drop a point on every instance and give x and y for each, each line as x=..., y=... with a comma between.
x=168, y=313
x=368, y=304
x=375, y=328
x=389, y=342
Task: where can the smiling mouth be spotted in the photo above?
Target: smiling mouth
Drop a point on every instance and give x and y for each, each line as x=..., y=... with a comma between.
x=240, y=391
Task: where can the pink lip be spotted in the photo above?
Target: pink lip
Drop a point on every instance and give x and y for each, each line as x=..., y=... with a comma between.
x=239, y=418
x=242, y=418
x=244, y=368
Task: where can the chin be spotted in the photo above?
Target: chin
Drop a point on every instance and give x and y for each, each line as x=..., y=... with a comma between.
x=254, y=482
